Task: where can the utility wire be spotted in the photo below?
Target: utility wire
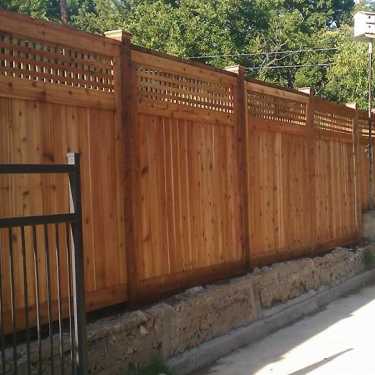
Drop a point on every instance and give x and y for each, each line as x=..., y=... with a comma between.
x=286, y=66
x=267, y=53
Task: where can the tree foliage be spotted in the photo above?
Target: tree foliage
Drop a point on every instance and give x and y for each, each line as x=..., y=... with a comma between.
x=226, y=32
x=347, y=79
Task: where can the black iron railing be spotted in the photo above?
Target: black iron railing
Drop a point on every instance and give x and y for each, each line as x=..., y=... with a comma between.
x=47, y=333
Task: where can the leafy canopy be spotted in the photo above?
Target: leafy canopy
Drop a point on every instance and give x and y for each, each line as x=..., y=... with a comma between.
x=226, y=32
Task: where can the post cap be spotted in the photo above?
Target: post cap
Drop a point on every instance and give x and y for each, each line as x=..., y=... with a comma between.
x=120, y=35
x=236, y=69
x=306, y=90
x=351, y=105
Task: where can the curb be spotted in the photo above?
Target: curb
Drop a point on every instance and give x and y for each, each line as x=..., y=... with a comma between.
x=270, y=320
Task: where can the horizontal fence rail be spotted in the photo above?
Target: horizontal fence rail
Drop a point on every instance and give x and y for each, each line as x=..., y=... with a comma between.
x=35, y=168
x=37, y=220
x=42, y=307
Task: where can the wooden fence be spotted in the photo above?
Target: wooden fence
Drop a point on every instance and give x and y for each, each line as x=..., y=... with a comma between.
x=303, y=181
x=189, y=173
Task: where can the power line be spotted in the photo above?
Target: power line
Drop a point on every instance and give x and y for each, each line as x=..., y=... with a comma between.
x=286, y=66
x=267, y=53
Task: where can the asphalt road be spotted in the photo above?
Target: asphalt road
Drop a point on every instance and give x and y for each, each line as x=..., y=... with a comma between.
x=339, y=340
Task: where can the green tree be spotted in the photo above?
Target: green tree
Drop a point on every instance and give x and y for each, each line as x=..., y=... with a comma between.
x=347, y=77
x=98, y=16
x=43, y=9
x=226, y=32
x=299, y=25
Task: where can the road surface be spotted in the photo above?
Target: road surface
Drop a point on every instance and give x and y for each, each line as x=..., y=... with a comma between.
x=339, y=340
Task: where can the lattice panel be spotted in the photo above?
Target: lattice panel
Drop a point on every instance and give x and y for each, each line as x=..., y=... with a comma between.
x=363, y=124
x=155, y=85
x=333, y=122
x=27, y=59
x=268, y=107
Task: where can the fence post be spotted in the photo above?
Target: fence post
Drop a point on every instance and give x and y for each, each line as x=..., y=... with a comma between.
x=125, y=93
x=310, y=138
x=357, y=187
x=79, y=306
x=371, y=192
x=240, y=108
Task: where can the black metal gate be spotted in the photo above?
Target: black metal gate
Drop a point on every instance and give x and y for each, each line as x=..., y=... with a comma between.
x=50, y=336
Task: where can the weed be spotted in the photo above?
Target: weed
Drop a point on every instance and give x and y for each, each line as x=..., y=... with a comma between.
x=156, y=367
x=369, y=259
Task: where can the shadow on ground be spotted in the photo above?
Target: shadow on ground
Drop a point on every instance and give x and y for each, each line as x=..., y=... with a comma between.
x=315, y=366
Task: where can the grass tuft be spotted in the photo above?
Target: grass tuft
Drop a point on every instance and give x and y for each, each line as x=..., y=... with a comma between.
x=369, y=259
x=156, y=367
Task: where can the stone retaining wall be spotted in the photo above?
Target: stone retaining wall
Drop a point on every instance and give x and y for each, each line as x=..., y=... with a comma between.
x=285, y=281
x=203, y=313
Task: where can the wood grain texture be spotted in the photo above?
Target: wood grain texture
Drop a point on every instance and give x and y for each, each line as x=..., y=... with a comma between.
x=302, y=175
x=189, y=201
x=39, y=132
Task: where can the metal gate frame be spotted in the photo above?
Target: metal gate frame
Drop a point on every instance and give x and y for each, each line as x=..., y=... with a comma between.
x=73, y=224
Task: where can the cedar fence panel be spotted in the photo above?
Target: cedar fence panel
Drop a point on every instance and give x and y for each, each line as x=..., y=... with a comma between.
x=336, y=209
x=54, y=100
x=280, y=186
x=302, y=175
x=189, y=173
x=188, y=204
